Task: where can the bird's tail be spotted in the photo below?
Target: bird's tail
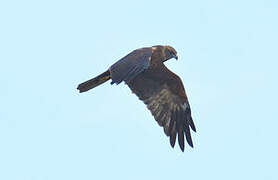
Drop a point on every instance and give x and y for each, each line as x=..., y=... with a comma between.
x=92, y=83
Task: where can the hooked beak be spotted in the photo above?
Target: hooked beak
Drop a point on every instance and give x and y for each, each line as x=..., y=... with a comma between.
x=175, y=56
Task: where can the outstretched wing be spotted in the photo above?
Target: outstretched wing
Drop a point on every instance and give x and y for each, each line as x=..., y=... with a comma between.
x=131, y=65
x=163, y=93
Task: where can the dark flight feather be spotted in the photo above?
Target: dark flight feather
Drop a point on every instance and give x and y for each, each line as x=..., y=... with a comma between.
x=180, y=122
x=172, y=121
x=168, y=108
x=173, y=134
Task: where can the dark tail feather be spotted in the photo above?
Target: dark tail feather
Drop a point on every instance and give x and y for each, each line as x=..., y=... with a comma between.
x=85, y=86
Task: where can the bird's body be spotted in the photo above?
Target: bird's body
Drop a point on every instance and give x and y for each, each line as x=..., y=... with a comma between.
x=159, y=88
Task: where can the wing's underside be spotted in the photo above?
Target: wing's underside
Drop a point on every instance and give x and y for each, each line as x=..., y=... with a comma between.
x=170, y=109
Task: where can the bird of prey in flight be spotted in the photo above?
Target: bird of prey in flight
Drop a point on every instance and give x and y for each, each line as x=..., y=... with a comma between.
x=159, y=88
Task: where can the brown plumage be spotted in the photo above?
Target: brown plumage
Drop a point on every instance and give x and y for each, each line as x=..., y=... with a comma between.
x=159, y=88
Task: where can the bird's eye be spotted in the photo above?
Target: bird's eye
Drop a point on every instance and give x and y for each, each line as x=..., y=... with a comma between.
x=172, y=53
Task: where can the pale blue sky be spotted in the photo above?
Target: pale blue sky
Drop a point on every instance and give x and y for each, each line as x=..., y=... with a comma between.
x=228, y=61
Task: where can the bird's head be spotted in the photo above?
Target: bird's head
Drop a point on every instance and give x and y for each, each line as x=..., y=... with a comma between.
x=169, y=53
